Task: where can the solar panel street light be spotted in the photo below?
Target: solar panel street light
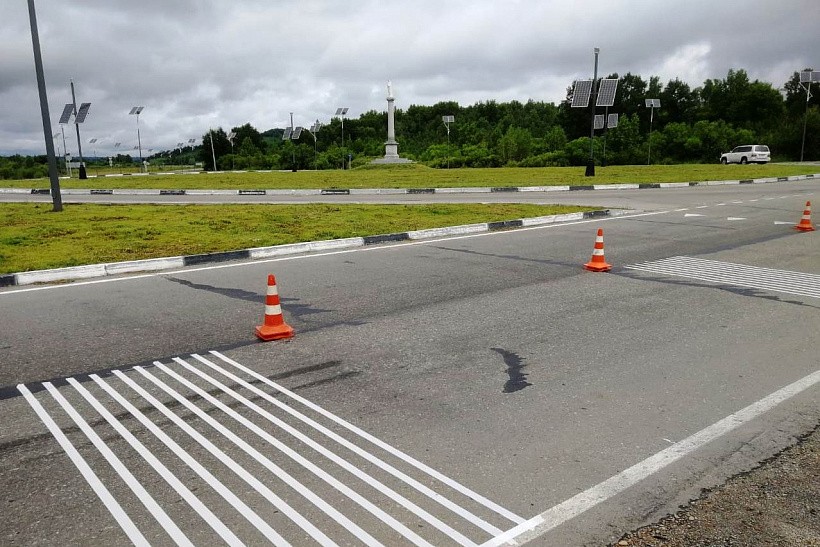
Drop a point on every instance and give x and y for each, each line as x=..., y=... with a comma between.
x=68, y=110
x=287, y=134
x=135, y=111
x=341, y=112
x=651, y=104
x=598, y=122
x=581, y=93
x=79, y=117
x=448, y=119
x=297, y=132
x=612, y=121
x=807, y=77
x=606, y=92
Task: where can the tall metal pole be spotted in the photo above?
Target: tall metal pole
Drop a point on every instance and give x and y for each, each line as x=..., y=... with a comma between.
x=53, y=177
x=77, y=127
x=590, y=172
x=65, y=152
x=805, y=118
x=139, y=141
x=213, y=154
x=649, y=140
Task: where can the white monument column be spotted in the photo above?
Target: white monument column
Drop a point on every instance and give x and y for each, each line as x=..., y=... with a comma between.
x=391, y=147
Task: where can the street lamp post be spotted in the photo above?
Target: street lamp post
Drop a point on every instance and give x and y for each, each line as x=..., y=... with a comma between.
x=652, y=104
x=590, y=171
x=136, y=111
x=447, y=121
x=807, y=77
x=231, y=137
x=341, y=112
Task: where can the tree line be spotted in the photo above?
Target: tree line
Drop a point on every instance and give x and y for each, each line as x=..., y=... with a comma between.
x=693, y=125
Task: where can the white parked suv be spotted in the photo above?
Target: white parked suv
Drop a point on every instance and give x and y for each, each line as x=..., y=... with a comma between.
x=748, y=153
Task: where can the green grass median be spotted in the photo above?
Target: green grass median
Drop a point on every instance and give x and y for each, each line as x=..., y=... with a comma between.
x=419, y=176
x=32, y=237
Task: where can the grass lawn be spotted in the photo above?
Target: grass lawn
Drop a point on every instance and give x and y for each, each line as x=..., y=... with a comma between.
x=32, y=237
x=419, y=176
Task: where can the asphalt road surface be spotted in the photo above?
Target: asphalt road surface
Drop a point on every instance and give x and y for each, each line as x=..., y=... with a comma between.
x=465, y=390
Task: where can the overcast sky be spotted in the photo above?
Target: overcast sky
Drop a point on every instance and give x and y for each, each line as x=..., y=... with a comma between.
x=196, y=64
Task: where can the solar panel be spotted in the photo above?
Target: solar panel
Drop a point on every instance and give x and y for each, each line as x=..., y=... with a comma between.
x=191, y=141
x=66, y=115
x=92, y=141
x=653, y=103
x=315, y=127
x=805, y=76
x=136, y=110
x=612, y=121
x=341, y=111
x=598, y=122
x=296, y=133
x=581, y=93
x=82, y=113
x=606, y=92
x=117, y=144
x=814, y=76
x=448, y=119
x=286, y=135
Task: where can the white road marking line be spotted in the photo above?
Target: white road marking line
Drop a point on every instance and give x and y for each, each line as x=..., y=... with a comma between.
x=702, y=207
x=735, y=218
x=753, y=200
x=796, y=283
x=681, y=210
x=719, y=204
x=367, y=436
x=349, y=525
x=88, y=474
x=398, y=498
x=147, y=500
x=780, y=222
x=197, y=467
x=693, y=215
x=580, y=503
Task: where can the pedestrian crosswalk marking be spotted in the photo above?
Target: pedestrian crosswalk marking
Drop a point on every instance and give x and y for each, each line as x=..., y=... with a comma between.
x=141, y=396
x=740, y=275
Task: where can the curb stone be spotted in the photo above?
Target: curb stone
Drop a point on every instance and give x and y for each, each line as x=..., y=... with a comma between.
x=176, y=262
x=377, y=191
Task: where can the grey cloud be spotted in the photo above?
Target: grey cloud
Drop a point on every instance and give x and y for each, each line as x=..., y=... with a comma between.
x=201, y=63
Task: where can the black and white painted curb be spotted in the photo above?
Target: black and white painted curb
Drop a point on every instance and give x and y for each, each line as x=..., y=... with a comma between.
x=176, y=262
x=398, y=191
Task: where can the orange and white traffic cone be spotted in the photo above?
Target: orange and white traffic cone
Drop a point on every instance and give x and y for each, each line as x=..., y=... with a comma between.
x=598, y=263
x=805, y=224
x=274, y=326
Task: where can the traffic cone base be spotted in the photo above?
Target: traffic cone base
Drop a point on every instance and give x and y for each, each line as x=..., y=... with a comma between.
x=805, y=224
x=274, y=326
x=598, y=263
x=267, y=333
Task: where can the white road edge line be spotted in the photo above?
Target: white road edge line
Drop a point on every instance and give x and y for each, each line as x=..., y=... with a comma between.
x=88, y=474
x=580, y=503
